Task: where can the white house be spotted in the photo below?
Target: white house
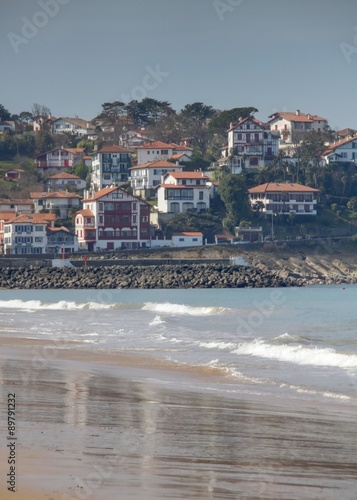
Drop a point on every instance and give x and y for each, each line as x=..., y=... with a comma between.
x=73, y=126
x=342, y=151
x=110, y=165
x=112, y=219
x=20, y=206
x=64, y=180
x=182, y=191
x=7, y=125
x=58, y=159
x=284, y=198
x=288, y=123
x=26, y=234
x=61, y=200
x=250, y=145
x=158, y=150
x=147, y=176
x=187, y=239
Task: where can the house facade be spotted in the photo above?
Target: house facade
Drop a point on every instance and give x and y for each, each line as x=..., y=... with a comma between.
x=182, y=191
x=342, y=151
x=58, y=159
x=251, y=145
x=13, y=174
x=64, y=201
x=284, y=198
x=113, y=219
x=61, y=241
x=19, y=206
x=64, y=180
x=146, y=177
x=288, y=123
x=158, y=150
x=73, y=126
x=110, y=165
x=187, y=239
x=26, y=234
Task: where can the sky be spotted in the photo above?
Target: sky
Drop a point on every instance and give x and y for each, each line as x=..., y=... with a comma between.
x=275, y=55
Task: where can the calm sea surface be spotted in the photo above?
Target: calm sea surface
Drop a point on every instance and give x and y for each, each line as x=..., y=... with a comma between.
x=290, y=349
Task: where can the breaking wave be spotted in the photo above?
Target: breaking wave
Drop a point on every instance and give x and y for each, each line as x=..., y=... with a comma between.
x=298, y=354
x=170, y=308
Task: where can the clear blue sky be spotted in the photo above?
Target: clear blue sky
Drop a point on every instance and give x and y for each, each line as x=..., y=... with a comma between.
x=276, y=55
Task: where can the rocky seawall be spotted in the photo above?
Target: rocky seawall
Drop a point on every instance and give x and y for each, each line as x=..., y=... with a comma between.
x=163, y=276
x=263, y=273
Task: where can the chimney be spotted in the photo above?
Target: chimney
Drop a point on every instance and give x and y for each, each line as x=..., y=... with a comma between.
x=298, y=112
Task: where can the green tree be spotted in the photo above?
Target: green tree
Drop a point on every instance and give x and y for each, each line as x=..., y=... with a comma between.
x=233, y=192
x=4, y=113
x=194, y=119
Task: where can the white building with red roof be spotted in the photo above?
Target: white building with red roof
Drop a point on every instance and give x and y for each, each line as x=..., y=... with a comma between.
x=27, y=233
x=288, y=123
x=342, y=151
x=158, y=150
x=74, y=126
x=182, y=191
x=113, y=219
x=187, y=239
x=64, y=180
x=251, y=145
x=58, y=159
x=284, y=198
x=110, y=165
x=61, y=200
x=147, y=176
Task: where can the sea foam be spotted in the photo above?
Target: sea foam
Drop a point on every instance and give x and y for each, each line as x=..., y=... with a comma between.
x=177, y=309
x=298, y=354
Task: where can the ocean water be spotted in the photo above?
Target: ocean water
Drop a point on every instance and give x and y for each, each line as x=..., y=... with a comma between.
x=261, y=401
x=281, y=344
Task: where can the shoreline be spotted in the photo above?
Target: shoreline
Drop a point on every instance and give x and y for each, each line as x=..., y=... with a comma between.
x=89, y=424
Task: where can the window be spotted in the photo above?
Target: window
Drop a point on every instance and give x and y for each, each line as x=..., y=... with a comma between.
x=181, y=239
x=134, y=219
x=134, y=205
x=125, y=206
x=108, y=206
x=200, y=195
x=194, y=239
x=164, y=151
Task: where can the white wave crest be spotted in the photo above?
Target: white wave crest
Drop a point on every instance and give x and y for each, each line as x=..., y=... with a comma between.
x=298, y=354
x=218, y=345
x=176, y=309
x=33, y=305
x=156, y=321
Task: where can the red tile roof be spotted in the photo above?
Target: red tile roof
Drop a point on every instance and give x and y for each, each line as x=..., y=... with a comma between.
x=180, y=148
x=74, y=151
x=187, y=233
x=183, y=186
x=250, y=119
x=156, y=145
x=113, y=149
x=273, y=187
x=85, y=212
x=337, y=144
x=34, y=218
x=63, y=175
x=188, y=175
x=156, y=164
x=7, y=214
x=293, y=117
x=101, y=193
x=59, y=194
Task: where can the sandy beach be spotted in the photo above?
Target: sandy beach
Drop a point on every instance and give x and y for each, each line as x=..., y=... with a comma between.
x=99, y=426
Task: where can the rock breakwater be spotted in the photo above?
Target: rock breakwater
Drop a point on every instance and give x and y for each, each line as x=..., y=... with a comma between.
x=145, y=277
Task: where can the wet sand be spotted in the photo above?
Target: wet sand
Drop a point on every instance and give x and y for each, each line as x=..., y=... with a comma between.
x=100, y=426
